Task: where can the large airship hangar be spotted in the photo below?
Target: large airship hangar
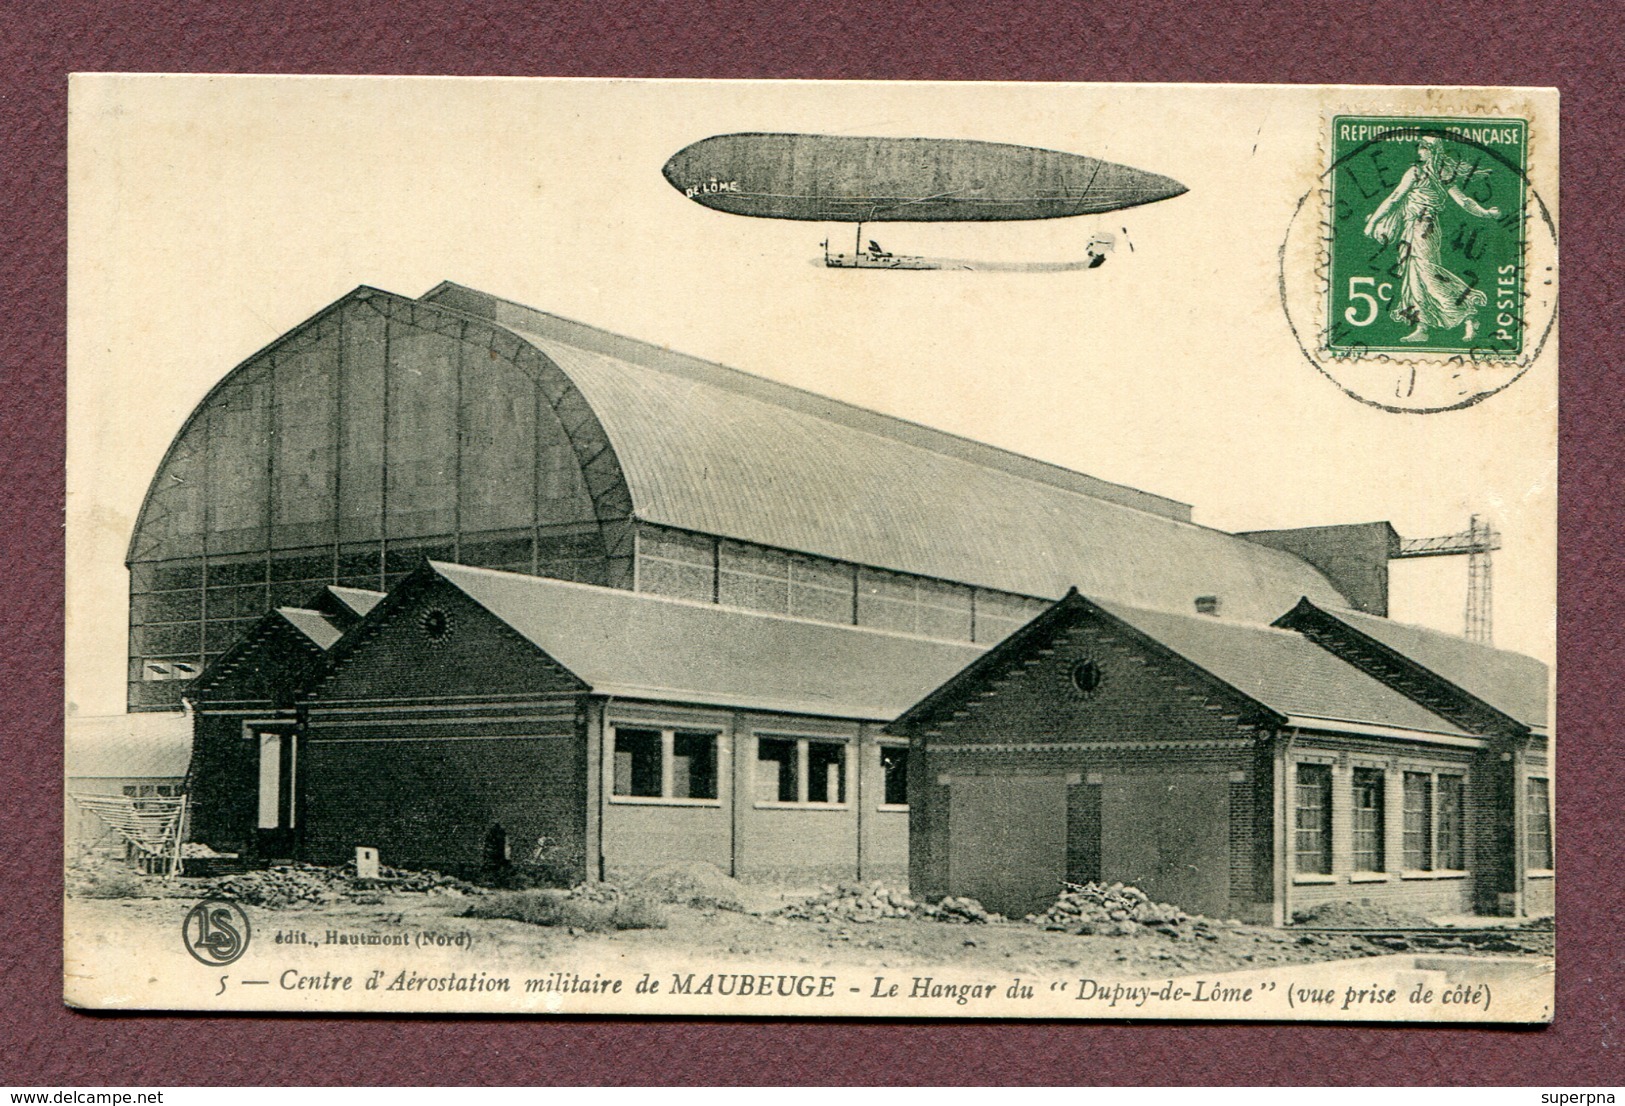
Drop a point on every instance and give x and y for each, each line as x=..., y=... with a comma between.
x=470, y=583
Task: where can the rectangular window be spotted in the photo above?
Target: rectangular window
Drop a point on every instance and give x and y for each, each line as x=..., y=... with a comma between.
x=1540, y=824
x=826, y=772
x=1368, y=785
x=694, y=766
x=894, y=770
x=1435, y=822
x=821, y=589
x=637, y=763
x=664, y=764
x=1313, y=825
x=1418, y=821
x=674, y=563
x=776, y=770
x=170, y=670
x=800, y=770
x=1449, y=840
x=753, y=577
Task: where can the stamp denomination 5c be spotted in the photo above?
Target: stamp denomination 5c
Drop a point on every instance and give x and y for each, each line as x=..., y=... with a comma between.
x=1426, y=236
x=1420, y=274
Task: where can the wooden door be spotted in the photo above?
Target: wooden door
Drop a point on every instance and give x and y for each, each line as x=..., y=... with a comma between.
x=1168, y=835
x=1007, y=841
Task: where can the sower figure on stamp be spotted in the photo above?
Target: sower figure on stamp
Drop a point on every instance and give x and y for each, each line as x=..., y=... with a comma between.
x=1429, y=295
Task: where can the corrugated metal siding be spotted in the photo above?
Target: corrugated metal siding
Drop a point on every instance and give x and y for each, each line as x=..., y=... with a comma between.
x=704, y=458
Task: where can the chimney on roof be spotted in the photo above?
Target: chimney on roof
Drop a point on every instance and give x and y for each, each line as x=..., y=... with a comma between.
x=1207, y=604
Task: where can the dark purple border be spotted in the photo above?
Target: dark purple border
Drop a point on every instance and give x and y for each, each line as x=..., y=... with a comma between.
x=1464, y=42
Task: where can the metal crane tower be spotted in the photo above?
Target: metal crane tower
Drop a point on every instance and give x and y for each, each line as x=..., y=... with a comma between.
x=1476, y=542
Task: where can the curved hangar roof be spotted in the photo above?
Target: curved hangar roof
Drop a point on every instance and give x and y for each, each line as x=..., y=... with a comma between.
x=701, y=447
x=715, y=450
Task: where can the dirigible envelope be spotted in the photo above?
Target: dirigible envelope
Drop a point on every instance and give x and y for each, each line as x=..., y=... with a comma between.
x=841, y=178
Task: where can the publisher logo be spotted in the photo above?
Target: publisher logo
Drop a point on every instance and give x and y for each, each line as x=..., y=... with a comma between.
x=215, y=932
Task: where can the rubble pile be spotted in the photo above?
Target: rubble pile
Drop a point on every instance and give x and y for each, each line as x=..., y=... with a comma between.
x=405, y=879
x=693, y=883
x=288, y=885
x=283, y=886
x=1119, y=910
x=873, y=902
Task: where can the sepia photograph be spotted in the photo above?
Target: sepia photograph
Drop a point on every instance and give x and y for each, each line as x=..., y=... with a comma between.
x=811, y=549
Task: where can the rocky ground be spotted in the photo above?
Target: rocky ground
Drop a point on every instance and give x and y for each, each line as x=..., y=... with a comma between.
x=1090, y=929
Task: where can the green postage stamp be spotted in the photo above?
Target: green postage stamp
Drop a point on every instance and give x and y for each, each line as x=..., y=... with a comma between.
x=1427, y=236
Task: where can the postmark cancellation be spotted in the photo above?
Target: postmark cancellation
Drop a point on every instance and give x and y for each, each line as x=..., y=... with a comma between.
x=1420, y=274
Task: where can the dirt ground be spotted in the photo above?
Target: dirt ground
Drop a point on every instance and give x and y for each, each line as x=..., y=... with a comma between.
x=1010, y=948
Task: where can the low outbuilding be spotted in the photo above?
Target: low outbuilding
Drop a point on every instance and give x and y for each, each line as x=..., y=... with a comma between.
x=1231, y=768
x=245, y=719
x=136, y=758
x=479, y=718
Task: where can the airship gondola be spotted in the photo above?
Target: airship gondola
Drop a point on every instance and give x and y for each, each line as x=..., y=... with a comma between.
x=844, y=178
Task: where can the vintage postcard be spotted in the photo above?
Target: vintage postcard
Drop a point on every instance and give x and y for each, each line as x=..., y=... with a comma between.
x=802, y=549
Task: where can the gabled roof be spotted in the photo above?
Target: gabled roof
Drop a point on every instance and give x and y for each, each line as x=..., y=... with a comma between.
x=319, y=628
x=1281, y=671
x=648, y=647
x=146, y=745
x=357, y=600
x=313, y=633
x=1510, y=683
x=709, y=449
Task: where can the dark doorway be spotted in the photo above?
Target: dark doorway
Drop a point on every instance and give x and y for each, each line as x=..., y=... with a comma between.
x=277, y=824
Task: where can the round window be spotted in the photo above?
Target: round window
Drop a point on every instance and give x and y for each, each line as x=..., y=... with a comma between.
x=436, y=625
x=1086, y=677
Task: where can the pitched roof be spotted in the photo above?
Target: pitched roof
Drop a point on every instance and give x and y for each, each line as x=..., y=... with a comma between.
x=643, y=646
x=357, y=600
x=1283, y=670
x=710, y=449
x=317, y=633
x=147, y=745
x=319, y=628
x=1509, y=682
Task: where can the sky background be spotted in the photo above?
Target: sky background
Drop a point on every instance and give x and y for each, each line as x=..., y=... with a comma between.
x=208, y=215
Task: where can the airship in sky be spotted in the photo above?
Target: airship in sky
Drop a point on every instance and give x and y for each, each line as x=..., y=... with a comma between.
x=844, y=178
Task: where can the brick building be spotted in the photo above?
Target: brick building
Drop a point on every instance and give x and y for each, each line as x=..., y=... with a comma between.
x=245, y=722
x=478, y=716
x=843, y=562
x=1233, y=768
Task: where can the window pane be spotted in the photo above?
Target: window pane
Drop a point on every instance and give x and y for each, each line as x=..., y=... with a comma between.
x=1368, y=820
x=775, y=770
x=694, y=766
x=1313, y=824
x=1540, y=824
x=1418, y=821
x=637, y=763
x=680, y=581
x=894, y=767
x=1449, y=845
x=826, y=772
